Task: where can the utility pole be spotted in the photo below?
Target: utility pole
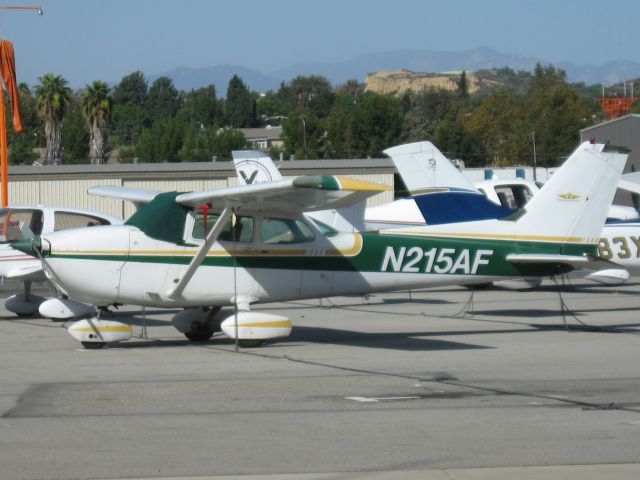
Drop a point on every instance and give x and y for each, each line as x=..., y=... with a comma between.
x=9, y=59
x=535, y=160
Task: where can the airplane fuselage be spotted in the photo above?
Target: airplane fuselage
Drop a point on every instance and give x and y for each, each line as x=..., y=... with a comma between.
x=124, y=265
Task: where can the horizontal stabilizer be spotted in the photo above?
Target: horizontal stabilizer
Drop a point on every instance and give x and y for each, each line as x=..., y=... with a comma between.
x=629, y=185
x=138, y=196
x=573, y=260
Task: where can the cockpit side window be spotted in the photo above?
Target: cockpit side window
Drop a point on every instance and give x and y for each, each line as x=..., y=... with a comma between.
x=278, y=231
x=522, y=195
x=237, y=229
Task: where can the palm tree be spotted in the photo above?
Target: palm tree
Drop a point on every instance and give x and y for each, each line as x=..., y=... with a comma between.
x=52, y=99
x=96, y=108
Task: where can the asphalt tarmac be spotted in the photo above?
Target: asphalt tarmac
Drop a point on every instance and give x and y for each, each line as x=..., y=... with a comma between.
x=397, y=385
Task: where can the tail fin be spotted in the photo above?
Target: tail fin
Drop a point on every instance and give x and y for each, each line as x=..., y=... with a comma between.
x=422, y=166
x=574, y=203
x=255, y=167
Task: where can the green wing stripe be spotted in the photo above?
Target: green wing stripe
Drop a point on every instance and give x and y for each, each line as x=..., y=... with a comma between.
x=320, y=182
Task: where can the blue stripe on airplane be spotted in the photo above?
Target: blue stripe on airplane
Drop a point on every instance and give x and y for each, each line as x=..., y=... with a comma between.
x=458, y=206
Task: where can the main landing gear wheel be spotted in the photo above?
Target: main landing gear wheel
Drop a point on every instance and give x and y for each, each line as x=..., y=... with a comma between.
x=200, y=332
x=93, y=345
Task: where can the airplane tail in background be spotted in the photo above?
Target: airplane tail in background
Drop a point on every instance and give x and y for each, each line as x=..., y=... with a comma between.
x=422, y=166
x=573, y=205
x=255, y=167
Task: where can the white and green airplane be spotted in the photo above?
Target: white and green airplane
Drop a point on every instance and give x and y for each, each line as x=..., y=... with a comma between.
x=249, y=244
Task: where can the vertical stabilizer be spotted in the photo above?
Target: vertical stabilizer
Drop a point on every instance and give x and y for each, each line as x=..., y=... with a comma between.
x=422, y=166
x=255, y=167
x=573, y=205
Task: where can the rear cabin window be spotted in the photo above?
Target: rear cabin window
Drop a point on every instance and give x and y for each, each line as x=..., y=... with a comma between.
x=64, y=220
x=277, y=231
x=237, y=229
x=513, y=196
x=20, y=224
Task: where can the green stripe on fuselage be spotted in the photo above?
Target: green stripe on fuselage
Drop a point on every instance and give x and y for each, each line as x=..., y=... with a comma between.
x=398, y=254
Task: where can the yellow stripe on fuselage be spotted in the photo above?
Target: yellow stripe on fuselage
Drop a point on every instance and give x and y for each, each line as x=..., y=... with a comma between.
x=346, y=252
x=485, y=236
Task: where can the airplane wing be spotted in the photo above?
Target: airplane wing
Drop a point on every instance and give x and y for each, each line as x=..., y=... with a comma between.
x=301, y=194
x=138, y=196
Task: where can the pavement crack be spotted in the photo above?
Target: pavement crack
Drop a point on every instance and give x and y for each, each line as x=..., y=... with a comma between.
x=443, y=378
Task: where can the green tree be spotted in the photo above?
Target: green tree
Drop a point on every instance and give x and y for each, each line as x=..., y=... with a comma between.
x=240, y=107
x=456, y=141
x=163, y=100
x=556, y=113
x=425, y=111
x=338, y=141
x=75, y=134
x=200, y=107
x=270, y=109
x=499, y=123
x=377, y=124
x=351, y=90
x=21, y=145
x=128, y=116
x=197, y=144
x=463, y=85
x=96, y=108
x=301, y=133
x=127, y=123
x=312, y=93
x=161, y=142
x=226, y=140
x=52, y=100
x=133, y=88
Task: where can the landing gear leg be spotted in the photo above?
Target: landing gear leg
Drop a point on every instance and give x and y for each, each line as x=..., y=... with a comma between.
x=27, y=299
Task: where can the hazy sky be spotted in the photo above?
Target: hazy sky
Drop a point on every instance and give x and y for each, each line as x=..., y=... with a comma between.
x=86, y=40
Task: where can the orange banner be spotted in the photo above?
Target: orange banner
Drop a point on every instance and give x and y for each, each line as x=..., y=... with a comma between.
x=8, y=72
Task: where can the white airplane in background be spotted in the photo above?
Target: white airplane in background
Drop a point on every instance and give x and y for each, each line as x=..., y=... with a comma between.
x=620, y=238
x=514, y=193
x=458, y=202
x=249, y=244
x=23, y=223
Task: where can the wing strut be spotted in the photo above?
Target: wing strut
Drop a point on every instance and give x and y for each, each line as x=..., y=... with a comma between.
x=196, y=261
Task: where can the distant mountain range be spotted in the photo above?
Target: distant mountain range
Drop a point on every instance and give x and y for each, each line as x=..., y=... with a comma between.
x=357, y=68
